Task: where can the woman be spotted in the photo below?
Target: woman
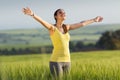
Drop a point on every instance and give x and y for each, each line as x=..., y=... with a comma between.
x=60, y=59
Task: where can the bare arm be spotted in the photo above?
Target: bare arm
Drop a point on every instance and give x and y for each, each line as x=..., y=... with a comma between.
x=84, y=23
x=29, y=12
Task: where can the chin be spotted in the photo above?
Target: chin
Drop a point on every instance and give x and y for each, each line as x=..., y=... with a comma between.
x=64, y=18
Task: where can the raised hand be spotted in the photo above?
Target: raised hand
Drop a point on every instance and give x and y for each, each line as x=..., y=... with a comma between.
x=28, y=11
x=98, y=19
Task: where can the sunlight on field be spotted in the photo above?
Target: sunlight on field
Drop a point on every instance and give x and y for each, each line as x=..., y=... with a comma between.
x=94, y=65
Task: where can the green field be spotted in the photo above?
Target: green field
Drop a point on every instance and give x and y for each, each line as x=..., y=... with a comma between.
x=94, y=65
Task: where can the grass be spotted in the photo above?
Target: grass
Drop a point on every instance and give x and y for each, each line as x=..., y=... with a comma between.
x=94, y=65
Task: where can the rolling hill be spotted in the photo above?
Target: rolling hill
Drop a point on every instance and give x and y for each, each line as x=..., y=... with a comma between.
x=20, y=38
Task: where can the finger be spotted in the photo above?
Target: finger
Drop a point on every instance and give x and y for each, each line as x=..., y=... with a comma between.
x=101, y=19
x=23, y=9
x=28, y=8
x=97, y=19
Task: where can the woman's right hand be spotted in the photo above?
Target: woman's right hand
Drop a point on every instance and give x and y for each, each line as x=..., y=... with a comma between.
x=28, y=11
x=98, y=19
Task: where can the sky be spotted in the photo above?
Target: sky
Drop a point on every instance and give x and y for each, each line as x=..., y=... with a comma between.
x=12, y=17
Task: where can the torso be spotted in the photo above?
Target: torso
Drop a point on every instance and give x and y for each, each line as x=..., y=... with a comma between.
x=61, y=46
x=64, y=29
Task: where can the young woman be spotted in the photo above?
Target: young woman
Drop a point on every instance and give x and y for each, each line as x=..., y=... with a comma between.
x=60, y=59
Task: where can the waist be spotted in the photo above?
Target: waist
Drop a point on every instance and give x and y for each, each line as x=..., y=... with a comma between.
x=61, y=53
x=61, y=50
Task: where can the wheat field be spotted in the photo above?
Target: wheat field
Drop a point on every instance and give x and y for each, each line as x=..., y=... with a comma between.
x=94, y=65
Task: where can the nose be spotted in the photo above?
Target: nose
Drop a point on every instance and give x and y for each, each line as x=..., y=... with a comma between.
x=63, y=13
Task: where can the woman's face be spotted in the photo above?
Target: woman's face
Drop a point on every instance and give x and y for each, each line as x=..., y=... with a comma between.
x=60, y=15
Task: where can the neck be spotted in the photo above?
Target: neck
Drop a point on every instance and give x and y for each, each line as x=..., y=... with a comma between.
x=59, y=24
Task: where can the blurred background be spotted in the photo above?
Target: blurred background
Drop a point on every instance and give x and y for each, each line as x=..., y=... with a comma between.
x=21, y=34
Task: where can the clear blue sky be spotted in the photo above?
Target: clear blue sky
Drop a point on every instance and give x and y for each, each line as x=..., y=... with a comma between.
x=11, y=15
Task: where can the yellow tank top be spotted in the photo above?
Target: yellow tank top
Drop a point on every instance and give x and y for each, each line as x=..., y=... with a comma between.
x=61, y=51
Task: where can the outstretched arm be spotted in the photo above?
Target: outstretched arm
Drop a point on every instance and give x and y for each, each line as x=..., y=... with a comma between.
x=29, y=12
x=84, y=23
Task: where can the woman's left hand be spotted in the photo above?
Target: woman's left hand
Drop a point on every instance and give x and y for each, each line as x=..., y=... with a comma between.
x=98, y=19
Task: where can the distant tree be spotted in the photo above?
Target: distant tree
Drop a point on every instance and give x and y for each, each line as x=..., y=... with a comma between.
x=79, y=45
x=90, y=45
x=72, y=46
x=116, y=39
x=13, y=51
x=109, y=40
x=5, y=51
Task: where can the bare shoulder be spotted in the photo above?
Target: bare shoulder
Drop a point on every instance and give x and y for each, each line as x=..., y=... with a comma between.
x=52, y=29
x=67, y=26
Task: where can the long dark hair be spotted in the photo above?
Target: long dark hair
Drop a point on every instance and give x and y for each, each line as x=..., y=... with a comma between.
x=64, y=25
